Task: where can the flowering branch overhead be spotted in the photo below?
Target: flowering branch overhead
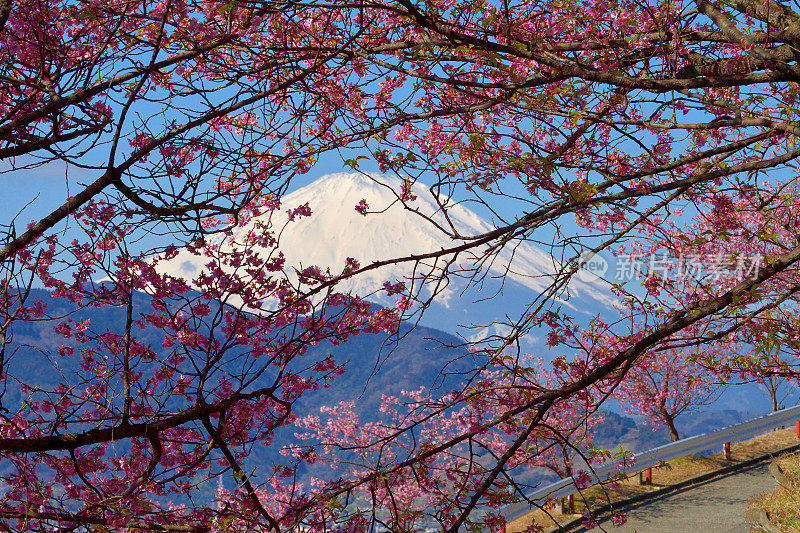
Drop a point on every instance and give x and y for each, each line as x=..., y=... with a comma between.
x=660, y=135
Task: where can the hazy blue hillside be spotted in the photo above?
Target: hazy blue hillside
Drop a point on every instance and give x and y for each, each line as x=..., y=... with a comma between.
x=424, y=356
x=620, y=430
x=375, y=366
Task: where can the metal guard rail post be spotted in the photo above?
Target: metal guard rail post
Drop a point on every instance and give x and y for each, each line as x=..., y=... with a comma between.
x=699, y=443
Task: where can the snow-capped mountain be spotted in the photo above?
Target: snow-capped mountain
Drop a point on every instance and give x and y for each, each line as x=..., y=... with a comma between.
x=336, y=230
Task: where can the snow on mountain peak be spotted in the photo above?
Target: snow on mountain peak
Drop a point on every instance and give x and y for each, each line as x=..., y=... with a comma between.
x=336, y=231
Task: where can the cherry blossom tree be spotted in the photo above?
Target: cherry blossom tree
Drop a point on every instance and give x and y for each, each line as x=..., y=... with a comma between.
x=664, y=386
x=770, y=356
x=651, y=130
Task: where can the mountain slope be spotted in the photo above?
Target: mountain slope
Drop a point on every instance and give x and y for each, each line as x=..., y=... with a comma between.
x=336, y=231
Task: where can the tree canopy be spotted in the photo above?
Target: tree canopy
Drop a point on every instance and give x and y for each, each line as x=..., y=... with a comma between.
x=648, y=129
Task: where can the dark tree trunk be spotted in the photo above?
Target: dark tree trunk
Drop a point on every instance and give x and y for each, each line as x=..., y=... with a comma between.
x=5, y=9
x=673, y=431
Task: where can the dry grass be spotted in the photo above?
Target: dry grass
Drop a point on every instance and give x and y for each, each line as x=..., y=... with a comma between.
x=673, y=472
x=783, y=505
x=790, y=464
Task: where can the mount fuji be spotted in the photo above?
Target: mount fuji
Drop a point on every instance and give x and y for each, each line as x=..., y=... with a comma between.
x=336, y=230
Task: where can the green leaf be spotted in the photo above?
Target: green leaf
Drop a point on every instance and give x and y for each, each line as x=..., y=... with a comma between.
x=229, y=7
x=353, y=163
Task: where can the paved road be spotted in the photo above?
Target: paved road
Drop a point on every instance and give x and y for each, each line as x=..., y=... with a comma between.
x=715, y=506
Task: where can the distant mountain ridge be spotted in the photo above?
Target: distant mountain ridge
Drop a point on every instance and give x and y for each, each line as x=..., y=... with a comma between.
x=374, y=367
x=375, y=364
x=619, y=430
